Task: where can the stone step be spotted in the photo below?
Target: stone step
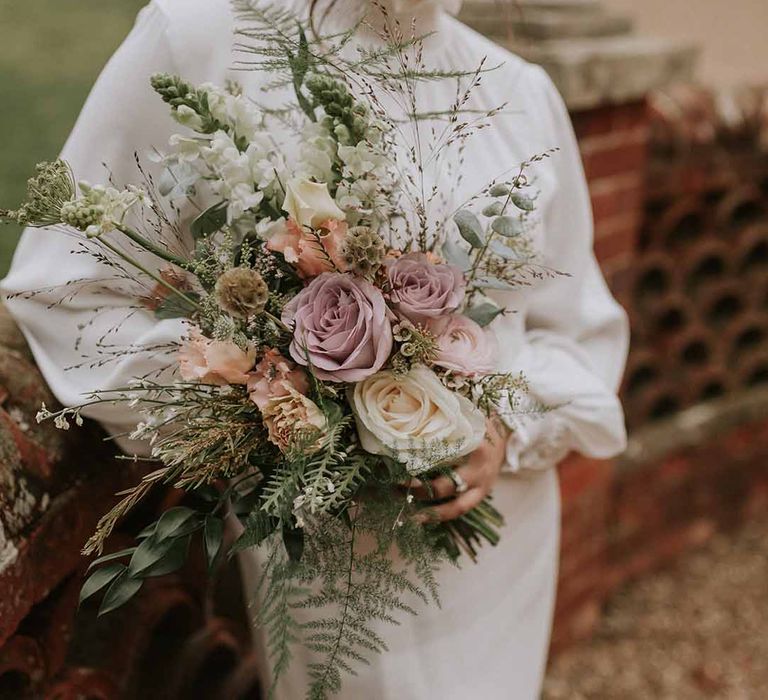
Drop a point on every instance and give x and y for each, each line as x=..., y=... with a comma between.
x=543, y=21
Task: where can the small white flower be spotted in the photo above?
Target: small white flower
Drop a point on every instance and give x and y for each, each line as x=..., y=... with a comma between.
x=61, y=422
x=186, y=116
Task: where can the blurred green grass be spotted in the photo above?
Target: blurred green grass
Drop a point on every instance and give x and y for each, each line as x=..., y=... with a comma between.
x=50, y=54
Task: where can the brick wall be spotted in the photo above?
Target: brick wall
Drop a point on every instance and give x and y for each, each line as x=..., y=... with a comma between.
x=695, y=394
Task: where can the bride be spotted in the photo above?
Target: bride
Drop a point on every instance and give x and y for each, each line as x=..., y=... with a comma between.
x=568, y=336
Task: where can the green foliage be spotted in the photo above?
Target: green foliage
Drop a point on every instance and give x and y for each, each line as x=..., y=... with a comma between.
x=210, y=221
x=484, y=313
x=470, y=228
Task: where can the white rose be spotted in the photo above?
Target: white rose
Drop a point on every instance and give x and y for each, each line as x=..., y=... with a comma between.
x=309, y=203
x=415, y=419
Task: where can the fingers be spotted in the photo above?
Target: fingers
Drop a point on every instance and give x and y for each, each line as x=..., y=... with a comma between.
x=443, y=486
x=452, y=509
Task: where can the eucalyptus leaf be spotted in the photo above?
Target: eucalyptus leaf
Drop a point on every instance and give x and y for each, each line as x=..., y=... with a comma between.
x=213, y=537
x=523, y=201
x=493, y=283
x=499, y=248
x=508, y=226
x=210, y=221
x=99, y=579
x=456, y=255
x=493, y=209
x=483, y=314
x=123, y=588
x=499, y=190
x=470, y=228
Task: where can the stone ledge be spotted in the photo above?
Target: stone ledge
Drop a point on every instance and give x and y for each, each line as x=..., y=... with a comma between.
x=594, y=72
x=694, y=427
x=589, y=52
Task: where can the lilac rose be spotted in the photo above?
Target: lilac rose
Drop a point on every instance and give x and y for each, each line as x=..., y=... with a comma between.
x=341, y=328
x=423, y=291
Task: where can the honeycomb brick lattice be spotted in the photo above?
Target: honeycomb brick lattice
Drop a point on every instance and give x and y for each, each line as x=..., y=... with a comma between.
x=697, y=294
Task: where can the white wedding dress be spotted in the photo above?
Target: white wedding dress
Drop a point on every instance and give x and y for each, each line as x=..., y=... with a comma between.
x=568, y=336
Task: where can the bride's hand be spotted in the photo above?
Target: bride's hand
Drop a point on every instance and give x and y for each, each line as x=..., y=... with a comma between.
x=480, y=472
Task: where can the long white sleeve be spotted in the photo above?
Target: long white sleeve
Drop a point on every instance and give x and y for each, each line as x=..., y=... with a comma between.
x=121, y=117
x=576, y=334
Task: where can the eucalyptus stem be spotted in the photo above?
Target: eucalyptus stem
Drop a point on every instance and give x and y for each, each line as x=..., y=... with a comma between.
x=151, y=247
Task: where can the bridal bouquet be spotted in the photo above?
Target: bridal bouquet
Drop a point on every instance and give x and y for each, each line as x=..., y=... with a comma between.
x=339, y=340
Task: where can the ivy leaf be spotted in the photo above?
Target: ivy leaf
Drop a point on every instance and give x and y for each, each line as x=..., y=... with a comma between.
x=210, y=221
x=172, y=560
x=507, y=226
x=148, y=553
x=456, y=255
x=523, y=201
x=123, y=588
x=484, y=313
x=293, y=539
x=470, y=228
x=173, y=520
x=99, y=579
x=111, y=557
x=213, y=537
x=148, y=531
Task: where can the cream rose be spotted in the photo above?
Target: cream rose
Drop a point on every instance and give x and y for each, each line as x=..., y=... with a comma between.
x=415, y=417
x=309, y=203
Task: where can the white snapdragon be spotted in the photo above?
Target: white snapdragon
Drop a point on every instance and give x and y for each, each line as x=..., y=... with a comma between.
x=242, y=178
x=186, y=116
x=317, y=154
x=235, y=111
x=361, y=161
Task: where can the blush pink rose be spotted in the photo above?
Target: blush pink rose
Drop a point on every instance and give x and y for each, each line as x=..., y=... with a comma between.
x=341, y=328
x=466, y=348
x=425, y=292
x=275, y=377
x=303, y=250
x=209, y=361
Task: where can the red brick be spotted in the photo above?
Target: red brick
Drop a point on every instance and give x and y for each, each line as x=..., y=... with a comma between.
x=609, y=118
x=617, y=244
x=618, y=160
x=617, y=195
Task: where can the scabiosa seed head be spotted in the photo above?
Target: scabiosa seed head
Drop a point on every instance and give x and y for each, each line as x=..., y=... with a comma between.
x=363, y=250
x=242, y=292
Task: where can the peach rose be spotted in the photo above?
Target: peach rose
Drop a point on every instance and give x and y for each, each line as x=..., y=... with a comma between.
x=207, y=361
x=274, y=377
x=286, y=415
x=302, y=248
